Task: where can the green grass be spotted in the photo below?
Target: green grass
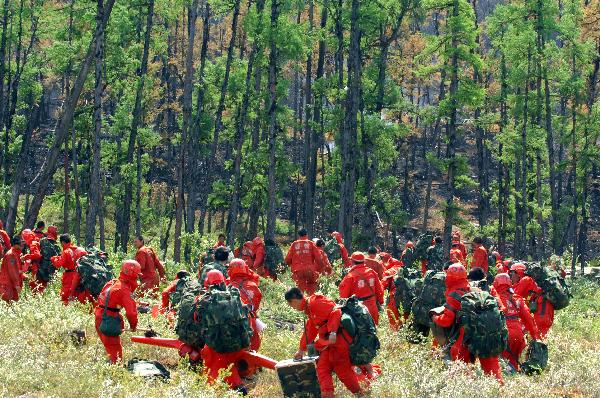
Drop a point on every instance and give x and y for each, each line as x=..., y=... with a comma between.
x=38, y=358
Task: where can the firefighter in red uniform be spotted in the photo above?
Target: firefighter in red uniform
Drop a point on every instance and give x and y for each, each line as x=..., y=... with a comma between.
x=517, y=316
x=305, y=262
x=526, y=287
x=246, y=281
x=220, y=242
x=480, y=255
x=253, y=253
x=409, y=245
x=374, y=263
x=324, y=321
x=31, y=260
x=385, y=259
x=68, y=261
x=457, y=283
x=215, y=362
x=4, y=240
x=11, y=281
x=456, y=238
x=328, y=269
x=343, y=251
x=388, y=284
x=39, y=230
x=117, y=295
x=152, y=269
x=456, y=255
x=362, y=282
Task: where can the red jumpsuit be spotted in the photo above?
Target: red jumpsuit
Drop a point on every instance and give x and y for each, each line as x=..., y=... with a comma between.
x=388, y=284
x=456, y=256
x=120, y=297
x=517, y=315
x=253, y=253
x=461, y=247
x=33, y=257
x=77, y=291
x=150, y=265
x=68, y=261
x=376, y=265
x=251, y=295
x=11, y=281
x=363, y=283
x=480, y=258
x=544, y=312
x=328, y=269
x=5, y=241
x=215, y=362
x=459, y=351
x=324, y=318
x=305, y=262
x=343, y=251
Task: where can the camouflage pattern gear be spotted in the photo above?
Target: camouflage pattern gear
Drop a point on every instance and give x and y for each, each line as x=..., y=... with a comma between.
x=409, y=257
x=365, y=343
x=94, y=271
x=274, y=258
x=435, y=258
x=537, y=358
x=555, y=288
x=408, y=283
x=48, y=249
x=184, y=284
x=187, y=328
x=431, y=295
x=224, y=320
x=332, y=250
x=209, y=267
x=423, y=242
x=299, y=378
x=209, y=256
x=485, y=332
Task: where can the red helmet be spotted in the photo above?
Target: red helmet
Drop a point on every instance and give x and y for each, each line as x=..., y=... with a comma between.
x=385, y=256
x=358, y=257
x=456, y=272
x=502, y=280
x=130, y=269
x=213, y=277
x=237, y=266
x=52, y=232
x=410, y=245
x=519, y=268
x=28, y=236
x=257, y=241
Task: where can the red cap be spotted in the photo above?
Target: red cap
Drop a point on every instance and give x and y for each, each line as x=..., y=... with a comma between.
x=237, y=266
x=410, y=245
x=130, y=269
x=358, y=257
x=28, y=236
x=519, y=268
x=52, y=232
x=213, y=277
x=456, y=272
x=502, y=280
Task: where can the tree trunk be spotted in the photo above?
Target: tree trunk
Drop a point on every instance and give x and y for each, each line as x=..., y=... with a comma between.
x=44, y=178
x=309, y=144
x=5, y=13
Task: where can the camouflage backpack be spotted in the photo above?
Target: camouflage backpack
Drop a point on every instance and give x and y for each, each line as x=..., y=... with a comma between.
x=209, y=267
x=555, y=288
x=408, y=283
x=184, y=284
x=273, y=257
x=48, y=249
x=423, y=243
x=485, y=332
x=224, y=320
x=408, y=258
x=432, y=295
x=332, y=249
x=187, y=328
x=537, y=358
x=357, y=321
x=435, y=258
x=94, y=271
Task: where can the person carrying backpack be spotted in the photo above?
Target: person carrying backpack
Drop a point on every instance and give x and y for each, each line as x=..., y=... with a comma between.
x=305, y=261
x=68, y=261
x=362, y=282
x=343, y=251
x=220, y=263
x=152, y=269
x=480, y=255
x=320, y=243
x=166, y=304
x=324, y=321
x=408, y=254
x=214, y=360
x=518, y=318
x=457, y=286
x=115, y=296
x=526, y=287
x=246, y=281
x=389, y=285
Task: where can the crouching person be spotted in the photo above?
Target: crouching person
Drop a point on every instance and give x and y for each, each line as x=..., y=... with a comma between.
x=324, y=319
x=117, y=295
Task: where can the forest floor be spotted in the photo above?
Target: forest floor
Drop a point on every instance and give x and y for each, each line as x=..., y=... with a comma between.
x=39, y=359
